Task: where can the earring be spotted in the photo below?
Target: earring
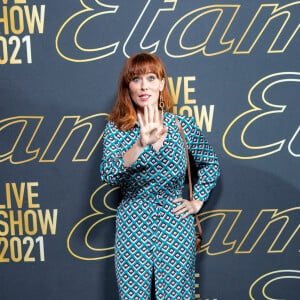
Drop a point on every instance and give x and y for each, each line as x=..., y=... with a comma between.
x=161, y=105
x=161, y=102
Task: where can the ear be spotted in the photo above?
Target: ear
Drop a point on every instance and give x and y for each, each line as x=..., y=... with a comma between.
x=162, y=84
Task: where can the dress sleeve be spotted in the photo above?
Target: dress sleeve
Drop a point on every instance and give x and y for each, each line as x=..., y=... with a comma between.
x=112, y=168
x=205, y=159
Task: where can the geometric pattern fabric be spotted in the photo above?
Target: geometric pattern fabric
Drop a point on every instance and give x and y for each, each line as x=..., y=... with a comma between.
x=151, y=241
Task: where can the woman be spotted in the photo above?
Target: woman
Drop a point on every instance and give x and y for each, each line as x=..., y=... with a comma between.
x=144, y=154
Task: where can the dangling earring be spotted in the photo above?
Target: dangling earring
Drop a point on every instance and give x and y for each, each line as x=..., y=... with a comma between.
x=161, y=105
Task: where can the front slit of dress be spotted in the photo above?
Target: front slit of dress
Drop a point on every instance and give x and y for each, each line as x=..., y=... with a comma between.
x=153, y=286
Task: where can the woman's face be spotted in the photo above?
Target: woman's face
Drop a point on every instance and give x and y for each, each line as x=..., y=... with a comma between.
x=144, y=89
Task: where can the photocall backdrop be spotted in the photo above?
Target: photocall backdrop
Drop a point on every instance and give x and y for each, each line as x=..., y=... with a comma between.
x=232, y=65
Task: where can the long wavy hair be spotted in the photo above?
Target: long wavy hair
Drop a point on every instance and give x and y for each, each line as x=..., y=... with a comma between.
x=124, y=111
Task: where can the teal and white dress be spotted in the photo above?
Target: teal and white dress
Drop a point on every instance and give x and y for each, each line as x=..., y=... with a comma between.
x=151, y=242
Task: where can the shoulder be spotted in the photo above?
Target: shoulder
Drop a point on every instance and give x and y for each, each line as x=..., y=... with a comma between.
x=111, y=125
x=111, y=128
x=119, y=136
x=190, y=128
x=170, y=117
x=187, y=123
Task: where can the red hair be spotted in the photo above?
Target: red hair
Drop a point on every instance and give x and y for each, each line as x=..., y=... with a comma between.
x=124, y=113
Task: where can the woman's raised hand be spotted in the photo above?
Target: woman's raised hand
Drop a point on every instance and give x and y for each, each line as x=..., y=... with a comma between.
x=151, y=126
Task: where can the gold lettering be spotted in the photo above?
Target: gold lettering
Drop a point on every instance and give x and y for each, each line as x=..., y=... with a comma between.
x=101, y=213
x=16, y=221
x=4, y=20
x=31, y=194
x=262, y=19
x=187, y=90
x=16, y=16
x=35, y=18
x=13, y=20
x=175, y=109
x=20, y=124
x=30, y=222
x=4, y=58
x=4, y=224
x=48, y=220
x=8, y=196
x=67, y=127
x=175, y=92
x=260, y=287
x=218, y=242
x=259, y=109
x=2, y=206
x=19, y=197
x=204, y=117
x=72, y=27
x=263, y=222
x=222, y=14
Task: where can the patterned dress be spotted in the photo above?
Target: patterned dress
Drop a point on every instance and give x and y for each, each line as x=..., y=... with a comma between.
x=151, y=242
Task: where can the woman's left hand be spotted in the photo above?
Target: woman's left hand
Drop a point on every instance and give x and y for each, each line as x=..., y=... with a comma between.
x=187, y=207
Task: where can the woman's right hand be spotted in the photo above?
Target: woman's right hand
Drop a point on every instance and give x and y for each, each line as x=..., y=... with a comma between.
x=151, y=126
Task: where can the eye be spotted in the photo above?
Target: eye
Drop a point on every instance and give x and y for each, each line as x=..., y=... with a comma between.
x=135, y=79
x=151, y=77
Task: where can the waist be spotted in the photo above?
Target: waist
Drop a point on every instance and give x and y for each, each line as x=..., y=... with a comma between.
x=160, y=197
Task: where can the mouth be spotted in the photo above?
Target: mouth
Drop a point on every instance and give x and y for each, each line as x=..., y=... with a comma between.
x=144, y=97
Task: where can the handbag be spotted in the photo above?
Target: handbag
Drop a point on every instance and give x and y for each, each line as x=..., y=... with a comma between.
x=199, y=232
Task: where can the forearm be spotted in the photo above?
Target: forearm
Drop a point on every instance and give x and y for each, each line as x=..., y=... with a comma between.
x=131, y=156
x=207, y=179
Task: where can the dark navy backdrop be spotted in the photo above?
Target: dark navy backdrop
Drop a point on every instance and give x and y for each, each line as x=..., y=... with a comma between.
x=233, y=65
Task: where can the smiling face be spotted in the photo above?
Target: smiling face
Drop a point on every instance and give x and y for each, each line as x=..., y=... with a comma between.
x=144, y=89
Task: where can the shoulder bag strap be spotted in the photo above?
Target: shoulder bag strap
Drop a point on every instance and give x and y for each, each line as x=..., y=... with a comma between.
x=189, y=169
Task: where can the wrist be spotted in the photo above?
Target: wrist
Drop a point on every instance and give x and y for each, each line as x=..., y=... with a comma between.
x=140, y=144
x=202, y=202
x=198, y=205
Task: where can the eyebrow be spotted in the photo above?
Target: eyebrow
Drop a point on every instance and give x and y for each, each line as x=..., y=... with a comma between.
x=149, y=73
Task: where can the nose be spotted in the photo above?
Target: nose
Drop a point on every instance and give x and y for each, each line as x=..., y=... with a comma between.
x=144, y=84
